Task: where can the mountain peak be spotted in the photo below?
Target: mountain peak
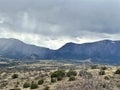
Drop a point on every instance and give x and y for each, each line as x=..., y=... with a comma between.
x=10, y=40
x=100, y=51
x=70, y=43
x=16, y=49
x=107, y=42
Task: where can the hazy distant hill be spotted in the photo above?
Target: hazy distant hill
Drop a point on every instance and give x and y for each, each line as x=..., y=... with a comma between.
x=105, y=51
x=101, y=51
x=16, y=49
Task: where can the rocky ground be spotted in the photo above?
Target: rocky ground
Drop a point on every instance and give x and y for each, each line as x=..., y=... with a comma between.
x=47, y=76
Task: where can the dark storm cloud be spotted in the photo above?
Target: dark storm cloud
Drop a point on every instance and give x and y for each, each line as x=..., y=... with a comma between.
x=61, y=16
x=54, y=18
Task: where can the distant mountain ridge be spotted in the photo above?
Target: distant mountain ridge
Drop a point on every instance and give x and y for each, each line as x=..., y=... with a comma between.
x=105, y=51
x=16, y=49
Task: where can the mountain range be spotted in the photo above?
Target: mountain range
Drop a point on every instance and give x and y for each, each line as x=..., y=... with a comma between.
x=105, y=51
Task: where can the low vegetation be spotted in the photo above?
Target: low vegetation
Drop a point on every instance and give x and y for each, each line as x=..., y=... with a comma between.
x=71, y=73
x=85, y=74
x=40, y=82
x=101, y=72
x=60, y=76
x=117, y=71
x=53, y=80
x=107, y=77
x=46, y=88
x=14, y=76
x=104, y=68
x=26, y=85
x=94, y=67
x=71, y=78
x=34, y=86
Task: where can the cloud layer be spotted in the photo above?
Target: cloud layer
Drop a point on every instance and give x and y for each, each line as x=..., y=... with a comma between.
x=52, y=23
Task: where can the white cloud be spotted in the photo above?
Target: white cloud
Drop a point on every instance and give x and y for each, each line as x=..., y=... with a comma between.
x=53, y=43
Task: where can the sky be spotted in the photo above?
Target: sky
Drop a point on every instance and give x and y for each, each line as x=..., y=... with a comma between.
x=52, y=23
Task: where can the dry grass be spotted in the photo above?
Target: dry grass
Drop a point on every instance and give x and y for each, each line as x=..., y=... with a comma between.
x=97, y=82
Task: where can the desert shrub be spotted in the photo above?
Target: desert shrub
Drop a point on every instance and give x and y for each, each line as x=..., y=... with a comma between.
x=59, y=78
x=118, y=85
x=71, y=73
x=33, y=86
x=18, y=83
x=117, y=71
x=104, y=85
x=107, y=77
x=94, y=67
x=15, y=89
x=71, y=78
x=85, y=74
x=101, y=72
x=59, y=73
x=103, y=68
x=46, y=88
x=26, y=85
x=14, y=76
x=53, y=80
x=40, y=82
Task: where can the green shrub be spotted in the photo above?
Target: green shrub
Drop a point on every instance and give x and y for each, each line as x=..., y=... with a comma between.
x=15, y=89
x=107, y=78
x=85, y=74
x=26, y=85
x=101, y=72
x=72, y=78
x=103, y=68
x=46, y=88
x=14, y=76
x=104, y=85
x=53, y=80
x=59, y=73
x=94, y=67
x=59, y=78
x=18, y=89
x=33, y=86
x=71, y=73
x=40, y=82
x=18, y=83
x=117, y=71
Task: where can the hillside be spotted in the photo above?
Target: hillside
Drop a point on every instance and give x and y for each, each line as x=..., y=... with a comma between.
x=16, y=49
x=105, y=51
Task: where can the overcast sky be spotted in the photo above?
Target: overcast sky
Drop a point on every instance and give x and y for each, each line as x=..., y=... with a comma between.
x=52, y=23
